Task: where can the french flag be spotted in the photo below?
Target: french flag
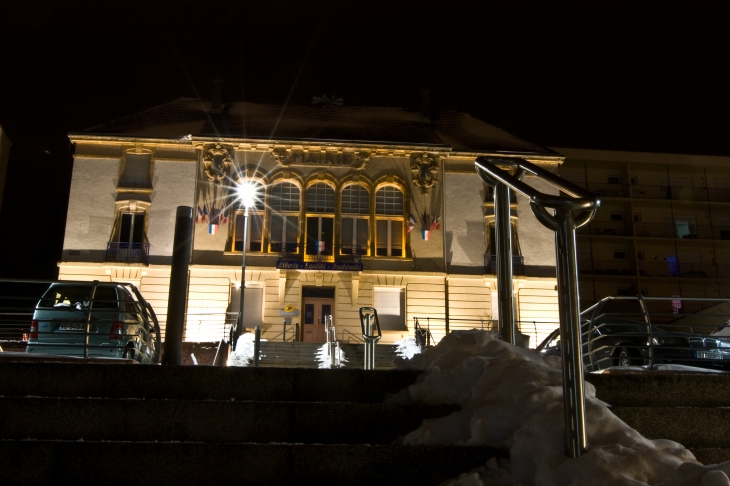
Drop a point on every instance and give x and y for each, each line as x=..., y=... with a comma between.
x=426, y=235
x=212, y=229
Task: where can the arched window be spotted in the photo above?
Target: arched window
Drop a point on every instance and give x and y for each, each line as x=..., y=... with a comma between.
x=389, y=218
x=320, y=220
x=355, y=227
x=255, y=222
x=284, y=220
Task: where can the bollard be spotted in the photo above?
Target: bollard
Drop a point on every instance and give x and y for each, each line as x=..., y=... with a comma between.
x=369, y=325
x=178, y=286
x=256, y=346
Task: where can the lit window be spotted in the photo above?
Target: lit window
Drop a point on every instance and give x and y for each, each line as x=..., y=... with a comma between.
x=320, y=227
x=355, y=228
x=284, y=220
x=389, y=214
x=255, y=223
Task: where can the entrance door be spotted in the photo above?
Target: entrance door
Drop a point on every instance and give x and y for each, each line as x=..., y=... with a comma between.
x=315, y=310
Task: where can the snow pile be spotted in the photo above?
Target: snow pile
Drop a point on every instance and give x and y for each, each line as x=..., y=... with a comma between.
x=243, y=355
x=407, y=348
x=511, y=397
x=323, y=357
x=658, y=367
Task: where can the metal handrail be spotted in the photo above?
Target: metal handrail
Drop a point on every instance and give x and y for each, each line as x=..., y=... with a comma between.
x=564, y=223
x=355, y=336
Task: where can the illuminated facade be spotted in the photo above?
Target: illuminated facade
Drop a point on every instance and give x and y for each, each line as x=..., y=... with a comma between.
x=357, y=206
x=663, y=228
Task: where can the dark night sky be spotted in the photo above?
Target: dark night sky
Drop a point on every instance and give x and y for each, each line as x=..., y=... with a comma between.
x=625, y=75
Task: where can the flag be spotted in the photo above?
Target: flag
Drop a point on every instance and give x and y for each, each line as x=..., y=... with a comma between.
x=426, y=235
x=212, y=229
x=225, y=217
x=436, y=223
x=320, y=246
x=425, y=221
x=199, y=214
x=205, y=213
x=411, y=223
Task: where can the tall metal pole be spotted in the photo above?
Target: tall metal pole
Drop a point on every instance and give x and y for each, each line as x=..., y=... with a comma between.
x=239, y=323
x=178, y=286
x=503, y=235
x=570, y=332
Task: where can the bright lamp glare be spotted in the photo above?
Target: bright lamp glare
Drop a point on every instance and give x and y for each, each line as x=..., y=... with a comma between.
x=246, y=194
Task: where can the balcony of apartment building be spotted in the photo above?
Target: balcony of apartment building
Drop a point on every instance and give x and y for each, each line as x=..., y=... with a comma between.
x=662, y=192
x=680, y=230
x=671, y=268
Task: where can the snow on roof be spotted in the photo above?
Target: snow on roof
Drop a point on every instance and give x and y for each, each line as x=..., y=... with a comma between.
x=512, y=398
x=366, y=124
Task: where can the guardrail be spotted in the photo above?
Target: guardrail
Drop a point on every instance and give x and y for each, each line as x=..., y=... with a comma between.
x=650, y=331
x=643, y=191
x=535, y=330
x=128, y=252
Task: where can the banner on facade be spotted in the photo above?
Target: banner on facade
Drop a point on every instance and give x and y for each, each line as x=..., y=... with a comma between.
x=321, y=266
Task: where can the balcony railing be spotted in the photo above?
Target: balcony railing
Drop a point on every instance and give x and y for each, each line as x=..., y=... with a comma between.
x=128, y=252
x=490, y=264
x=289, y=252
x=656, y=230
x=620, y=228
x=641, y=191
x=632, y=268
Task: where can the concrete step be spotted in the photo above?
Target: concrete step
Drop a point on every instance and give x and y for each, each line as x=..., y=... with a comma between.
x=210, y=421
x=690, y=426
x=176, y=463
x=664, y=388
x=200, y=382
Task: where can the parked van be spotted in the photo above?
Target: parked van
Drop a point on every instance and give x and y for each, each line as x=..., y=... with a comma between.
x=97, y=320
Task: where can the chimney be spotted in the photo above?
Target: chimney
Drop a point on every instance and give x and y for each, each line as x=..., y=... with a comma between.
x=426, y=104
x=217, y=95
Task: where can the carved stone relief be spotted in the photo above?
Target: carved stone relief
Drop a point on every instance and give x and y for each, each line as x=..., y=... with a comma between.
x=424, y=169
x=286, y=158
x=217, y=163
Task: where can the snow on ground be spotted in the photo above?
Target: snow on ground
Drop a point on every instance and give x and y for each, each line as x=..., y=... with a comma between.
x=658, y=367
x=407, y=348
x=512, y=397
x=243, y=355
x=323, y=357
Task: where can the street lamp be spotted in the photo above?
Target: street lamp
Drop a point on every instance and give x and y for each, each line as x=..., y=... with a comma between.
x=246, y=192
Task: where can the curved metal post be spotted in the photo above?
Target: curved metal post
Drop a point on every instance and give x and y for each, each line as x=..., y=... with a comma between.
x=239, y=322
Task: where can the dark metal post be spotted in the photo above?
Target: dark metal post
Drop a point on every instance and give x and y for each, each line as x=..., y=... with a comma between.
x=503, y=233
x=178, y=286
x=239, y=323
x=256, y=346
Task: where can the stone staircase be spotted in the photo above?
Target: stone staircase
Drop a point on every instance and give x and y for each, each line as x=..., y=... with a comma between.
x=81, y=423
x=303, y=355
x=691, y=409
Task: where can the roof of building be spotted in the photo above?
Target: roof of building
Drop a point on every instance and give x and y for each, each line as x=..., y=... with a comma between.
x=363, y=124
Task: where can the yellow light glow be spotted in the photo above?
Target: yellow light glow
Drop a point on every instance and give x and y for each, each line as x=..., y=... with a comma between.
x=247, y=194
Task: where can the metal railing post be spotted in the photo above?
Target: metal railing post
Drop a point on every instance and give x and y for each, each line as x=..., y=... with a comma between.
x=88, y=318
x=256, y=346
x=369, y=325
x=564, y=223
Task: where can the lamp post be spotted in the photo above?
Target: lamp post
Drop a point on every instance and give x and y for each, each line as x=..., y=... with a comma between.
x=246, y=195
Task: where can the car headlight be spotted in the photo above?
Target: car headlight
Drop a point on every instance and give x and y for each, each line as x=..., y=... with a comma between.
x=722, y=344
x=667, y=341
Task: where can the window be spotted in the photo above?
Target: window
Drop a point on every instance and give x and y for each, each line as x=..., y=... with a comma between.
x=492, y=244
x=320, y=227
x=617, y=217
x=355, y=227
x=389, y=211
x=614, y=179
x=284, y=220
x=130, y=228
x=255, y=224
x=390, y=304
x=619, y=254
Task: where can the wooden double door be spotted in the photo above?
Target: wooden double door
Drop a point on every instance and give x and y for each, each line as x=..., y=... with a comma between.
x=315, y=310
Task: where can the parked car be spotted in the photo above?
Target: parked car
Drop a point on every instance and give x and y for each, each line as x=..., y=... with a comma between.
x=121, y=324
x=622, y=342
